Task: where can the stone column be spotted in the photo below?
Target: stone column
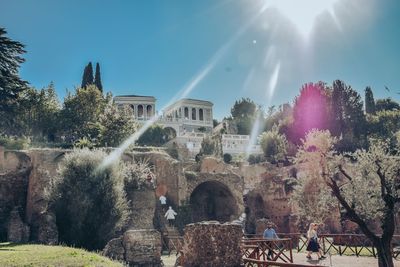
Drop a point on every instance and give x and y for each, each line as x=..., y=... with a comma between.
x=136, y=111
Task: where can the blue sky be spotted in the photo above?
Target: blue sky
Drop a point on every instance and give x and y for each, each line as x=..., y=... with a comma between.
x=155, y=47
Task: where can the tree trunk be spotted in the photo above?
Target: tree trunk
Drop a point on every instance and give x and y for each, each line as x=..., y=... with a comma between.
x=385, y=258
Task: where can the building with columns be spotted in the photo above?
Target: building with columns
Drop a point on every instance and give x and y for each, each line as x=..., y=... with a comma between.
x=189, y=116
x=143, y=107
x=190, y=119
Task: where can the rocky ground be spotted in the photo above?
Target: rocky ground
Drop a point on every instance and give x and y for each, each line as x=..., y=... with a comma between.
x=334, y=261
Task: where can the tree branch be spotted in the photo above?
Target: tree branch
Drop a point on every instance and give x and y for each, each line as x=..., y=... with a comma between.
x=350, y=211
x=345, y=173
x=385, y=190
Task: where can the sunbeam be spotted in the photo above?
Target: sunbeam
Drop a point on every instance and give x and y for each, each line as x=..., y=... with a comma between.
x=184, y=92
x=303, y=13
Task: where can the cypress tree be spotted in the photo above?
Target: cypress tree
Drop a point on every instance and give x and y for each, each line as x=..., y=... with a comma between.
x=369, y=101
x=97, y=78
x=87, y=78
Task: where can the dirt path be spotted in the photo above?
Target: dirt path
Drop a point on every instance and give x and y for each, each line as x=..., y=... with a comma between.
x=333, y=261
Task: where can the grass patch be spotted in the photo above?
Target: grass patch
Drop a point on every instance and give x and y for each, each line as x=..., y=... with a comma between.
x=42, y=255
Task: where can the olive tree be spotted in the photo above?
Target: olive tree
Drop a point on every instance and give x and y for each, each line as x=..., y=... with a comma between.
x=366, y=183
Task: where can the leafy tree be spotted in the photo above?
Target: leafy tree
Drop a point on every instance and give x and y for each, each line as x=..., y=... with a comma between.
x=274, y=145
x=311, y=190
x=243, y=108
x=90, y=204
x=154, y=136
x=244, y=113
x=386, y=104
x=384, y=124
x=11, y=84
x=38, y=113
x=211, y=146
x=97, y=78
x=310, y=111
x=279, y=117
x=369, y=101
x=367, y=189
x=348, y=119
x=81, y=113
x=87, y=78
x=117, y=125
x=244, y=125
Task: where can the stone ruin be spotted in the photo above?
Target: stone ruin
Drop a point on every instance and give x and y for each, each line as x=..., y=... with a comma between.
x=140, y=248
x=212, y=244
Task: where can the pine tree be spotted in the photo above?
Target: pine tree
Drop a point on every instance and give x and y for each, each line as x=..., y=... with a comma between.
x=87, y=78
x=11, y=84
x=369, y=101
x=97, y=78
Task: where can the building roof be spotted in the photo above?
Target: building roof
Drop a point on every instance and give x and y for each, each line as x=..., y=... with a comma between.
x=134, y=96
x=188, y=100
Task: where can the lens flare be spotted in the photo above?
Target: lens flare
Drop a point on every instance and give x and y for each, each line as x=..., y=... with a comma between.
x=303, y=13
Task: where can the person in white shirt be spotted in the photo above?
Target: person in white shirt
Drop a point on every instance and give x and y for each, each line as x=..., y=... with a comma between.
x=163, y=200
x=170, y=215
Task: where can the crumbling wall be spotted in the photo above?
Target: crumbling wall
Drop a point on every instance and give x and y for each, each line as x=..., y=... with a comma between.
x=136, y=247
x=14, y=178
x=211, y=244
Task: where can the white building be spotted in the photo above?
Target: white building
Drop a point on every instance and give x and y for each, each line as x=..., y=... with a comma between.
x=190, y=119
x=189, y=116
x=143, y=107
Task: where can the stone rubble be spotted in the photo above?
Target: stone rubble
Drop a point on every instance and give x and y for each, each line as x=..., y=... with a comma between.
x=212, y=244
x=136, y=247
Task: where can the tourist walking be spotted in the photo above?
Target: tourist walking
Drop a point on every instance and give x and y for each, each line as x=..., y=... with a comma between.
x=312, y=239
x=170, y=215
x=270, y=233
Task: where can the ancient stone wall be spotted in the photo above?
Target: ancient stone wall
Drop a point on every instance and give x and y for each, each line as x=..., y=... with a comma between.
x=136, y=247
x=14, y=178
x=211, y=244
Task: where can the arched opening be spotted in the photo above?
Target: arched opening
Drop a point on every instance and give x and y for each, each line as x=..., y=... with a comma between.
x=213, y=200
x=149, y=110
x=140, y=111
x=132, y=109
x=201, y=115
x=186, y=113
x=193, y=114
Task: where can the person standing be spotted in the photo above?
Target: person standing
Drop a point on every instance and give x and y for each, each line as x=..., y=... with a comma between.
x=312, y=239
x=170, y=215
x=270, y=233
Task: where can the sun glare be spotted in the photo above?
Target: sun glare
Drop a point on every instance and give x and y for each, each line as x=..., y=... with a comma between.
x=302, y=13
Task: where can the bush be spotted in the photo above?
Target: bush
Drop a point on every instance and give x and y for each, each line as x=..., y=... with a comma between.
x=90, y=204
x=255, y=158
x=227, y=158
x=274, y=145
x=156, y=135
x=84, y=142
x=14, y=143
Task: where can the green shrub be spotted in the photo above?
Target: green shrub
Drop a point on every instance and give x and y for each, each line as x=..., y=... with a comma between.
x=255, y=158
x=227, y=158
x=90, y=203
x=84, y=142
x=14, y=143
x=274, y=145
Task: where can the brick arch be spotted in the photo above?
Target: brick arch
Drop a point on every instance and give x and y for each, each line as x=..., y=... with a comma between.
x=233, y=183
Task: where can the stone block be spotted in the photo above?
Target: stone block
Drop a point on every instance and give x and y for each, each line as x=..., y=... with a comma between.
x=212, y=244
